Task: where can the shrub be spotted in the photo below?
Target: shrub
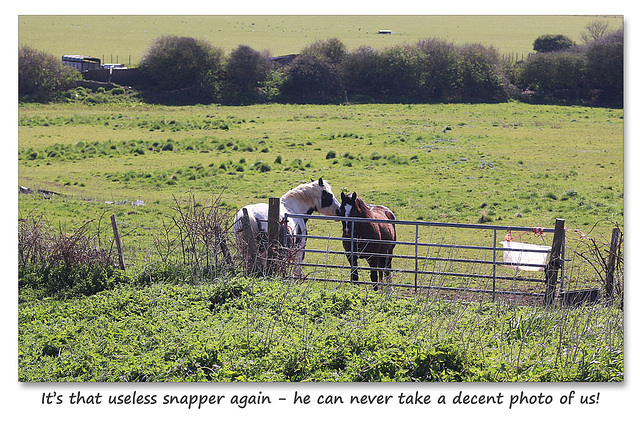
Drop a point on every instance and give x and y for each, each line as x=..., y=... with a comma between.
x=245, y=70
x=398, y=74
x=360, y=72
x=605, y=68
x=482, y=74
x=41, y=74
x=332, y=50
x=552, y=43
x=439, y=69
x=63, y=264
x=174, y=62
x=555, y=75
x=310, y=77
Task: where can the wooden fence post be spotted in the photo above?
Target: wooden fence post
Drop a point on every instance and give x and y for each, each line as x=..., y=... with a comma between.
x=273, y=229
x=555, y=263
x=611, y=262
x=116, y=234
x=251, y=242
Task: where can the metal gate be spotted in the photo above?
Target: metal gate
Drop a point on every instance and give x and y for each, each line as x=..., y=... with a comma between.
x=477, y=263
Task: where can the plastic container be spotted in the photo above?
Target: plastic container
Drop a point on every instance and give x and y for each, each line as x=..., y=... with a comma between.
x=521, y=258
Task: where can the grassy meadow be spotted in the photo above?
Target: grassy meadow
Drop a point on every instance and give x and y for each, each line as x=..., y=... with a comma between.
x=456, y=163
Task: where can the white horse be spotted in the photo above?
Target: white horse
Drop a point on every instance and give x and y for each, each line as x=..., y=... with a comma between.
x=315, y=196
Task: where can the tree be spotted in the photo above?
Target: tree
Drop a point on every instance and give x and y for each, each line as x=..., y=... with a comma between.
x=605, y=68
x=552, y=43
x=245, y=70
x=483, y=76
x=174, y=62
x=309, y=77
x=41, y=74
x=332, y=50
x=595, y=31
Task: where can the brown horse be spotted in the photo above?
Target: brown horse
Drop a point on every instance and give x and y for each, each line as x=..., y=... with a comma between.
x=373, y=241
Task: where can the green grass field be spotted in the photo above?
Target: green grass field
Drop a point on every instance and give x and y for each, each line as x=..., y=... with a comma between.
x=424, y=161
x=124, y=39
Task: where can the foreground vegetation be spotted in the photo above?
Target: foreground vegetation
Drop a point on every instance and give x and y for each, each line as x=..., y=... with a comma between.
x=240, y=329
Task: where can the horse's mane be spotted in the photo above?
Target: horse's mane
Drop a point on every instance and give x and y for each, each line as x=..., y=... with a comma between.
x=363, y=207
x=361, y=204
x=306, y=194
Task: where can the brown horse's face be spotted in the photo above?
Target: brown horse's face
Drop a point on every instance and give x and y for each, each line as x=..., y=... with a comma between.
x=348, y=208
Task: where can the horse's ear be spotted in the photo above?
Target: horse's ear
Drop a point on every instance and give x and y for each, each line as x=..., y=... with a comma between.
x=343, y=196
x=354, y=196
x=320, y=182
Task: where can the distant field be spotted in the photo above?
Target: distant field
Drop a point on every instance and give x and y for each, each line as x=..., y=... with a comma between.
x=124, y=39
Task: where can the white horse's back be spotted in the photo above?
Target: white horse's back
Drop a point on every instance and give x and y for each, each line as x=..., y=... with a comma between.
x=304, y=199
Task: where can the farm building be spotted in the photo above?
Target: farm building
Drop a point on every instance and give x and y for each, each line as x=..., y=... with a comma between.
x=80, y=62
x=283, y=60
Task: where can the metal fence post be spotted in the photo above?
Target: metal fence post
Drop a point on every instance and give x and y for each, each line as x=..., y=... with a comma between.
x=415, y=279
x=495, y=244
x=555, y=263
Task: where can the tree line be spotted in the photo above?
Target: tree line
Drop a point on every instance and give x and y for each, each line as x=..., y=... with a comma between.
x=189, y=70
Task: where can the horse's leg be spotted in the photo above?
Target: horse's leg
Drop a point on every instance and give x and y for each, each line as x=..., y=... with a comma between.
x=387, y=268
x=353, y=262
x=373, y=263
x=376, y=274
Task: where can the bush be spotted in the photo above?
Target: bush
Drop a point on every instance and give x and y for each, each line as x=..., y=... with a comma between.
x=245, y=71
x=440, y=69
x=63, y=264
x=360, y=72
x=552, y=43
x=41, y=74
x=482, y=73
x=605, y=68
x=332, y=50
x=174, y=63
x=310, y=77
x=555, y=76
x=398, y=74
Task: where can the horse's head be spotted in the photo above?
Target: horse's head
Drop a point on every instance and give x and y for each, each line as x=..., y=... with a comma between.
x=312, y=197
x=329, y=205
x=348, y=208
